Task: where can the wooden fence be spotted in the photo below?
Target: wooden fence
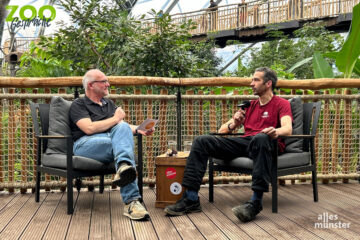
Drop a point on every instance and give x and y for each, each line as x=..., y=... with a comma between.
x=337, y=143
x=259, y=13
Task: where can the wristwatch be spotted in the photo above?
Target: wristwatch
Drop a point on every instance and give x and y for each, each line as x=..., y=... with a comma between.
x=230, y=128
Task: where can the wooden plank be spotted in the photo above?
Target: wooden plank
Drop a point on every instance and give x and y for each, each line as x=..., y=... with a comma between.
x=42, y=218
x=251, y=228
x=19, y=222
x=279, y=226
x=206, y=226
x=163, y=226
x=11, y=208
x=186, y=227
x=80, y=221
x=100, y=227
x=263, y=221
x=121, y=225
x=59, y=223
x=6, y=198
x=229, y=228
x=306, y=213
x=332, y=206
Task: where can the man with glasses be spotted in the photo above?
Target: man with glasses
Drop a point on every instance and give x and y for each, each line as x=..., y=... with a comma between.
x=100, y=133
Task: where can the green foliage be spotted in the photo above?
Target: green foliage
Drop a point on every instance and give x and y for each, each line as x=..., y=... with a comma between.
x=350, y=51
x=105, y=37
x=38, y=63
x=322, y=68
x=288, y=51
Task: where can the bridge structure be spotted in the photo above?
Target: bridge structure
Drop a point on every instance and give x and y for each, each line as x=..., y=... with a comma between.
x=249, y=21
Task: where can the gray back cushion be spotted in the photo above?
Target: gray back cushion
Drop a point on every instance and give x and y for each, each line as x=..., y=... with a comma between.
x=295, y=145
x=59, y=124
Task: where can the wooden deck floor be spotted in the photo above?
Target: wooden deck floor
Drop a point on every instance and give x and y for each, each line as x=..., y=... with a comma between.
x=99, y=216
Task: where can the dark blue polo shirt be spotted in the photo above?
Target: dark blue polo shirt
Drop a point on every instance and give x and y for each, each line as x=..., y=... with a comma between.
x=86, y=108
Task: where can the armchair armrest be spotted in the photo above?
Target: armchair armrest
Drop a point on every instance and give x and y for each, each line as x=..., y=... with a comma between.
x=226, y=134
x=54, y=136
x=298, y=136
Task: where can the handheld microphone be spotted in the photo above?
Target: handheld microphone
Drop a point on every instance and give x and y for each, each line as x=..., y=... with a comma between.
x=244, y=105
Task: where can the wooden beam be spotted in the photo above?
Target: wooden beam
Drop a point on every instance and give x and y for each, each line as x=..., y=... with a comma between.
x=314, y=84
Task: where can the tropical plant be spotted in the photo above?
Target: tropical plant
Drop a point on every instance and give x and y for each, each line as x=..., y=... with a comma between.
x=106, y=38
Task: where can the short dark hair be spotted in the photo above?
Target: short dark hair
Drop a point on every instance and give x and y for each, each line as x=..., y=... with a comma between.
x=269, y=75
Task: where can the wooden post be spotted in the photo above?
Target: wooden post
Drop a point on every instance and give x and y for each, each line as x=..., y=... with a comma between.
x=138, y=113
x=347, y=136
x=150, y=143
x=116, y=102
x=23, y=142
x=190, y=115
x=326, y=139
x=212, y=113
x=234, y=110
x=1, y=148
x=224, y=108
x=125, y=107
x=62, y=179
x=34, y=147
x=162, y=122
x=47, y=176
x=201, y=112
x=11, y=136
x=335, y=135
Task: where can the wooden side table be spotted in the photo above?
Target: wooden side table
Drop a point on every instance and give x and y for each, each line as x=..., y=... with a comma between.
x=169, y=175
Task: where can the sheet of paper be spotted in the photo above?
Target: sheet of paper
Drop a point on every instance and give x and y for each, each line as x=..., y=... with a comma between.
x=147, y=125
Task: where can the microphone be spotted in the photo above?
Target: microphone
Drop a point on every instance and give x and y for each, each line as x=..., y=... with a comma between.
x=244, y=105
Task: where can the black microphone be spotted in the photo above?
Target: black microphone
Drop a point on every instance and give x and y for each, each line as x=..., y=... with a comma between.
x=244, y=105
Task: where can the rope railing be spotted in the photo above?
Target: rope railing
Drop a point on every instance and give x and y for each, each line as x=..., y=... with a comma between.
x=337, y=142
x=258, y=13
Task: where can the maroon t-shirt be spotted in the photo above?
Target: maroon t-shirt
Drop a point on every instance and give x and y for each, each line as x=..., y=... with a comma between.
x=259, y=117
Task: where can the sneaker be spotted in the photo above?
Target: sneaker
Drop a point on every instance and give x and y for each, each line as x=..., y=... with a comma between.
x=184, y=205
x=136, y=211
x=247, y=211
x=125, y=174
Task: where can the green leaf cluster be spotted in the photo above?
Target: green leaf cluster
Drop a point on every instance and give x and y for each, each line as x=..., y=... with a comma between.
x=107, y=38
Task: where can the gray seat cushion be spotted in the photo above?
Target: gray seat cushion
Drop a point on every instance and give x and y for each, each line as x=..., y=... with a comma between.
x=59, y=124
x=284, y=161
x=295, y=145
x=79, y=163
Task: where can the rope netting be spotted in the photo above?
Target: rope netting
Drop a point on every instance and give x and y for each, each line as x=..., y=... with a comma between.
x=337, y=142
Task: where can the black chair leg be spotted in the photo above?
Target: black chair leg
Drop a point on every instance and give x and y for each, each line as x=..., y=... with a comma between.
x=314, y=183
x=274, y=200
x=37, y=186
x=211, y=180
x=101, y=190
x=70, y=204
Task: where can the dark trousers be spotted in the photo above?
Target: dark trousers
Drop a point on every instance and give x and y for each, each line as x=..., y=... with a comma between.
x=258, y=148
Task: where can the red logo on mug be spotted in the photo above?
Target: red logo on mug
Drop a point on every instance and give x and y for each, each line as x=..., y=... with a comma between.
x=170, y=173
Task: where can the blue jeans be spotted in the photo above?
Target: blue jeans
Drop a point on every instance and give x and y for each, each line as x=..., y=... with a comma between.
x=116, y=145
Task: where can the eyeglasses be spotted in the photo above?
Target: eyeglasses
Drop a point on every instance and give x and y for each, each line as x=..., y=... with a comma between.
x=102, y=81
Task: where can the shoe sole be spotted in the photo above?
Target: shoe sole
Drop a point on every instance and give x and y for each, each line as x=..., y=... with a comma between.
x=172, y=213
x=137, y=218
x=126, y=177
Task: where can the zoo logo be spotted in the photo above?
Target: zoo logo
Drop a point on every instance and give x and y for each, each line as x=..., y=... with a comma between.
x=13, y=8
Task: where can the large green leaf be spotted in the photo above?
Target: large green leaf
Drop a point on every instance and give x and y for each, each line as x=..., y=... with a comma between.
x=357, y=67
x=300, y=63
x=350, y=51
x=321, y=67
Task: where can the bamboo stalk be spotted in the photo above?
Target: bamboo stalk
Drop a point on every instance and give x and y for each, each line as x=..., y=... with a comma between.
x=335, y=135
x=2, y=160
x=162, y=122
x=47, y=176
x=149, y=141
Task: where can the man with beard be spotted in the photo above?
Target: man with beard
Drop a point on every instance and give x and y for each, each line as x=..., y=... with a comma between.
x=265, y=119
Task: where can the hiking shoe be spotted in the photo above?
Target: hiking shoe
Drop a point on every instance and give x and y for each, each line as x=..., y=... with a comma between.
x=136, y=211
x=125, y=174
x=247, y=211
x=184, y=205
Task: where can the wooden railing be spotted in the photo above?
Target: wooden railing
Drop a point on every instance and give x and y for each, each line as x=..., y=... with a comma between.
x=258, y=13
x=337, y=143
